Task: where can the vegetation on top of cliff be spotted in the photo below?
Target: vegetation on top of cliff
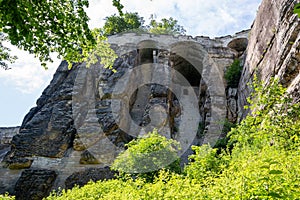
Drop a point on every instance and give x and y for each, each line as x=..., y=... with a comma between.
x=115, y=24
x=260, y=162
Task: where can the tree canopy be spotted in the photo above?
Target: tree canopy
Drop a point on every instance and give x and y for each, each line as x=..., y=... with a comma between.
x=166, y=26
x=115, y=24
x=44, y=27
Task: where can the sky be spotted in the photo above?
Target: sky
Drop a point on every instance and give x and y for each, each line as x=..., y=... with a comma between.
x=21, y=86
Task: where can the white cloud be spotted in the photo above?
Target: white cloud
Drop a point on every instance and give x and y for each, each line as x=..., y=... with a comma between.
x=26, y=74
x=201, y=17
x=98, y=10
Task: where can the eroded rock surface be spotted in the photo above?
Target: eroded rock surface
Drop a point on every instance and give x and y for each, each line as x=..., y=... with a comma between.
x=34, y=184
x=6, y=135
x=84, y=117
x=273, y=49
x=91, y=174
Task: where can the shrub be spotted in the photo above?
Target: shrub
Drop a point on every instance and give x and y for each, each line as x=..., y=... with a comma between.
x=147, y=154
x=205, y=163
x=233, y=74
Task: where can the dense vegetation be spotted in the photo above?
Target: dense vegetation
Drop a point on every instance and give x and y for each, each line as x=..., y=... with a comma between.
x=261, y=161
x=146, y=155
x=43, y=27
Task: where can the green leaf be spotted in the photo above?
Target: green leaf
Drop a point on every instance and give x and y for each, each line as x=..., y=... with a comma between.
x=275, y=172
x=274, y=194
x=297, y=9
x=265, y=167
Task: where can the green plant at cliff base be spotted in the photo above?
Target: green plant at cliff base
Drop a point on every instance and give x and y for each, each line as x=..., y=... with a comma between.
x=146, y=155
x=262, y=164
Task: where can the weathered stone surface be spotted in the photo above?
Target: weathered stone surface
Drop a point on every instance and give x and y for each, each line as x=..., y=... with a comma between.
x=83, y=119
x=88, y=158
x=91, y=174
x=273, y=49
x=47, y=130
x=6, y=135
x=239, y=44
x=232, y=107
x=19, y=163
x=34, y=184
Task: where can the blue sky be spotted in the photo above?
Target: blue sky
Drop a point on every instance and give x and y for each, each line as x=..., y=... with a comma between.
x=23, y=84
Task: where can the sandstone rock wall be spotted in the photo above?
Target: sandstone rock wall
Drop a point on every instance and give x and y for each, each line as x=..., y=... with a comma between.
x=273, y=49
x=65, y=136
x=6, y=135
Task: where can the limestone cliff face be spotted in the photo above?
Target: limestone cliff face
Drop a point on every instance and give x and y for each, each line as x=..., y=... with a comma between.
x=273, y=49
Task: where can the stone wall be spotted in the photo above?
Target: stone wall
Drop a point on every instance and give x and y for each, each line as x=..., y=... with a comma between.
x=273, y=49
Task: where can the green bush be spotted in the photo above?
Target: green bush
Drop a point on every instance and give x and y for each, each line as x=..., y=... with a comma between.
x=147, y=154
x=233, y=74
x=205, y=164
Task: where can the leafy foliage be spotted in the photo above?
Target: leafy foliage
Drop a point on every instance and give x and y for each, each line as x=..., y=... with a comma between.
x=205, y=163
x=233, y=74
x=166, y=26
x=115, y=24
x=297, y=9
x=42, y=27
x=263, y=163
x=118, y=5
x=147, y=154
x=133, y=22
x=5, y=53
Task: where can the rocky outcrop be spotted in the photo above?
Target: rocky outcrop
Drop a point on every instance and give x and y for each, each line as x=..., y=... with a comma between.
x=34, y=184
x=92, y=174
x=85, y=116
x=273, y=49
x=6, y=135
x=47, y=130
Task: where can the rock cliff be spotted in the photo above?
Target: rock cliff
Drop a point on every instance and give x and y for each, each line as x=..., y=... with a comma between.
x=6, y=135
x=85, y=116
x=273, y=49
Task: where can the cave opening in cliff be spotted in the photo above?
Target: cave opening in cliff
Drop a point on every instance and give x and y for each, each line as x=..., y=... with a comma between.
x=186, y=69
